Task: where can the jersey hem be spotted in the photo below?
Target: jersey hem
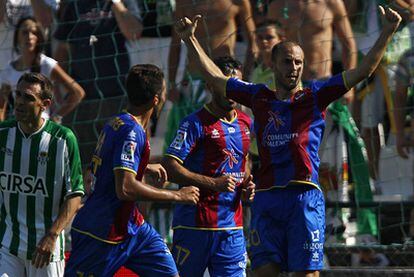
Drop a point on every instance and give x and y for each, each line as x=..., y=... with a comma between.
x=175, y=157
x=206, y=228
x=96, y=237
x=293, y=182
x=125, y=168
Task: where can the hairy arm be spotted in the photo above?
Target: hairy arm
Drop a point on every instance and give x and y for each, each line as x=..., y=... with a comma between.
x=128, y=188
x=75, y=92
x=247, y=22
x=210, y=72
x=128, y=23
x=369, y=63
x=44, y=249
x=174, y=56
x=180, y=175
x=42, y=12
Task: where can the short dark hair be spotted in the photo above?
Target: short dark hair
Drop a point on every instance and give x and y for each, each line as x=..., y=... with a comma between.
x=143, y=83
x=282, y=45
x=228, y=64
x=268, y=23
x=38, y=78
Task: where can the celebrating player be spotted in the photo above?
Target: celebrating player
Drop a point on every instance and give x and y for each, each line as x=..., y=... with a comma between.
x=109, y=231
x=210, y=152
x=288, y=213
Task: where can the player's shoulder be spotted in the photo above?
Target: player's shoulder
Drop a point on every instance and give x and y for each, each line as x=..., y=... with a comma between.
x=10, y=123
x=58, y=130
x=125, y=124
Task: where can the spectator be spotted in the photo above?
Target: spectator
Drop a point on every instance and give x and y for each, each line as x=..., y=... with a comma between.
x=92, y=33
x=11, y=11
x=44, y=186
x=28, y=42
x=217, y=35
x=268, y=34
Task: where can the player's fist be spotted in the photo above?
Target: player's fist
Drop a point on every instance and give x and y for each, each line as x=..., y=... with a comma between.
x=248, y=189
x=390, y=19
x=185, y=27
x=189, y=195
x=225, y=183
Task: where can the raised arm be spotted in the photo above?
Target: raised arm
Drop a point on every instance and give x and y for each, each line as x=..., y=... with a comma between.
x=391, y=20
x=185, y=29
x=126, y=17
x=247, y=23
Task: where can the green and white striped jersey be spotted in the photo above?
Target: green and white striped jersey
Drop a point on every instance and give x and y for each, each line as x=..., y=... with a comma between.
x=37, y=173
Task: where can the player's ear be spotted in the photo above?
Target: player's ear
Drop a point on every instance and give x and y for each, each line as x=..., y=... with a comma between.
x=46, y=104
x=156, y=100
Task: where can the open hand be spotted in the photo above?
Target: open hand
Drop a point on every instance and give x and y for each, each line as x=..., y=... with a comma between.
x=43, y=252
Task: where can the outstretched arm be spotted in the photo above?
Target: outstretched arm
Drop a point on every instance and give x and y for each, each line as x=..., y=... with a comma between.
x=391, y=20
x=185, y=29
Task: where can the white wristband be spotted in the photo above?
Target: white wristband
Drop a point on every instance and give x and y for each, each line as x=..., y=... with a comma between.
x=116, y=1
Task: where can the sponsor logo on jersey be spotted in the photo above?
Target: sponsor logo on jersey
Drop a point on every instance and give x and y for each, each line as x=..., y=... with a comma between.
x=128, y=150
x=28, y=185
x=231, y=130
x=215, y=133
x=179, y=140
x=230, y=157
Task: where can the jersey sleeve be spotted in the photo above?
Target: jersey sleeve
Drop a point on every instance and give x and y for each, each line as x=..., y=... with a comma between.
x=330, y=90
x=241, y=92
x=188, y=133
x=130, y=143
x=73, y=167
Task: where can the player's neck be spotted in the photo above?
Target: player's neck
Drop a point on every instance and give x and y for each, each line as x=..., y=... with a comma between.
x=31, y=127
x=141, y=115
x=226, y=115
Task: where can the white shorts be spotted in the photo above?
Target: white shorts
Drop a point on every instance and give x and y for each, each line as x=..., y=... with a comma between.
x=372, y=109
x=13, y=266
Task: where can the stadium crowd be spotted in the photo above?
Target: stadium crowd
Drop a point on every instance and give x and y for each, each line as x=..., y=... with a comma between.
x=87, y=48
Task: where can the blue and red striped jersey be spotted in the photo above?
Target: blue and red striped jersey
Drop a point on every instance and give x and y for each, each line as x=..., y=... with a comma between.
x=212, y=147
x=288, y=132
x=122, y=145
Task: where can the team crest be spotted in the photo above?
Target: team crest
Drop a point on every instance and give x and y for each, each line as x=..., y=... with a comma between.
x=43, y=157
x=215, y=133
x=128, y=150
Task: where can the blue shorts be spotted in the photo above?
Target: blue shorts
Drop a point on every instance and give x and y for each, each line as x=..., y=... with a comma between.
x=145, y=254
x=287, y=228
x=222, y=252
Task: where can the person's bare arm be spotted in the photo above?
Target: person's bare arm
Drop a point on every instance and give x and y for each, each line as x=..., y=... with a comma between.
x=400, y=100
x=185, y=29
x=128, y=23
x=42, y=12
x=247, y=23
x=2, y=10
x=179, y=174
x=391, y=21
x=75, y=92
x=44, y=249
x=343, y=29
x=128, y=188
x=5, y=91
x=174, y=56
